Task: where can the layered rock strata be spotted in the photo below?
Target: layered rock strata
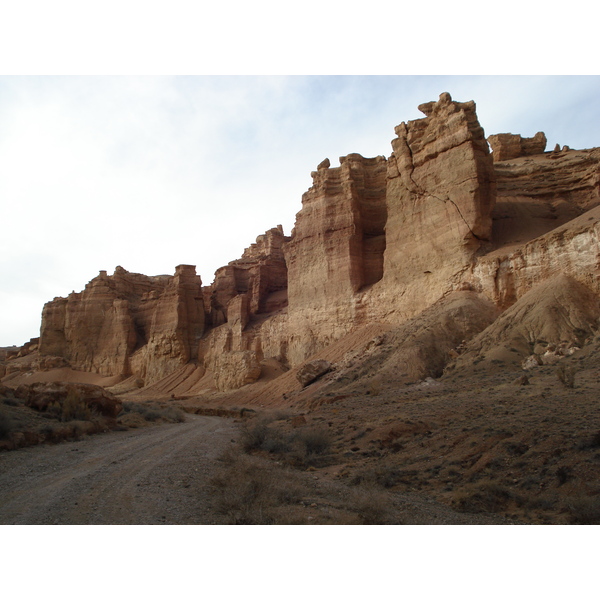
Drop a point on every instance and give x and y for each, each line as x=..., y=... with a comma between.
x=127, y=323
x=507, y=145
x=378, y=240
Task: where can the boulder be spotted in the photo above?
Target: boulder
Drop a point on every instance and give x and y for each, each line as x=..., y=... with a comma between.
x=311, y=371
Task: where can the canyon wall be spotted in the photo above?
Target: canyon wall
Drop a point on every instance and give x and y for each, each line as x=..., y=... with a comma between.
x=376, y=240
x=127, y=324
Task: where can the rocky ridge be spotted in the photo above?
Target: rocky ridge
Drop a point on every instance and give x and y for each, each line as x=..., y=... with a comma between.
x=442, y=222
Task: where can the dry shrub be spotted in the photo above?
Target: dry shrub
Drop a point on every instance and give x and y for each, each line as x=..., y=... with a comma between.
x=375, y=386
x=6, y=425
x=385, y=476
x=591, y=443
x=250, y=492
x=153, y=412
x=302, y=447
x=566, y=375
x=486, y=497
x=72, y=408
x=373, y=506
x=584, y=511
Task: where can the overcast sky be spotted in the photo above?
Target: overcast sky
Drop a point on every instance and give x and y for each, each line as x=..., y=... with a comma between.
x=152, y=172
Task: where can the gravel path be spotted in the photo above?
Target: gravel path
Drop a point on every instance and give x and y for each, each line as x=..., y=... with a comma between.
x=150, y=476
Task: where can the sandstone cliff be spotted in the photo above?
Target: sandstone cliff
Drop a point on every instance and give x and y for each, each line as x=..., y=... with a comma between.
x=127, y=323
x=377, y=241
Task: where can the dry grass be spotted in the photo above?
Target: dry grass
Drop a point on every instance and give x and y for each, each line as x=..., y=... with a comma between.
x=6, y=424
x=248, y=491
x=566, y=375
x=303, y=447
x=373, y=506
x=72, y=408
x=584, y=511
x=153, y=412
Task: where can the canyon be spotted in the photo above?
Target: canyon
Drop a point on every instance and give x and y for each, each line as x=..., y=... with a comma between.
x=430, y=326
x=451, y=226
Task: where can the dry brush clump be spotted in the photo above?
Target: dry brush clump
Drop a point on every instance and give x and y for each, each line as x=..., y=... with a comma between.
x=305, y=446
x=72, y=408
x=566, y=375
x=373, y=506
x=153, y=412
x=6, y=424
x=584, y=511
x=248, y=491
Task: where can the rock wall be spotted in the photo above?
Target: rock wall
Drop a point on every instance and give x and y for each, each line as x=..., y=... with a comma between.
x=336, y=250
x=378, y=240
x=440, y=196
x=127, y=323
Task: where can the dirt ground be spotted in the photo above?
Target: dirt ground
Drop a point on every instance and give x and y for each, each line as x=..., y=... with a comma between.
x=479, y=445
x=479, y=442
x=155, y=475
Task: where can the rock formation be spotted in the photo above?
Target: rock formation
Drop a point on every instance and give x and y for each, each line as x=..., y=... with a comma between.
x=506, y=146
x=127, y=323
x=441, y=222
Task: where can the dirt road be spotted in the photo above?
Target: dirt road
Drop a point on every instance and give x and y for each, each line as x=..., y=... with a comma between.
x=151, y=476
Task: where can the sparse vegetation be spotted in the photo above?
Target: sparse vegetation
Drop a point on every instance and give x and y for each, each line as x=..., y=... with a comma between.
x=6, y=425
x=373, y=506
x=248, y=492
x=584, y=511
x=73, y=408
x=566, y=375
x=153, y=412
x=302, y=447
x=485, y=497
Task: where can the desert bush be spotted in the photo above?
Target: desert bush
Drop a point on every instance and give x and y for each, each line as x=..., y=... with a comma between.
x=566, y=375
x=249, y=492
x=11, y=402
x=373, y=506
x=153, y=412
x=485, y=497
x=308, y=447
x=173, y=414
x=6, y=425
x=48, y=431
x=584, y=511
x=254, y=435
x=302, y=447
x=591, y=443
x=563, y=474
x=313, y=440
x=374, y=386
x=74, y=408
x=385, y=477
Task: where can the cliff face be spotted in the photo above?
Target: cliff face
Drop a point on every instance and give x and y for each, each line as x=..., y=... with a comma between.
x=337, y=249
x=377, y=240
x=127, y=324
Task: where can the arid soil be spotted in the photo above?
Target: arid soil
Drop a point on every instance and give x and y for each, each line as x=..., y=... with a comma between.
x=156, y=475
x=176, y=474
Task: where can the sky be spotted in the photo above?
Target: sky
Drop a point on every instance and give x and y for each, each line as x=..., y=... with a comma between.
x=149, y=172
